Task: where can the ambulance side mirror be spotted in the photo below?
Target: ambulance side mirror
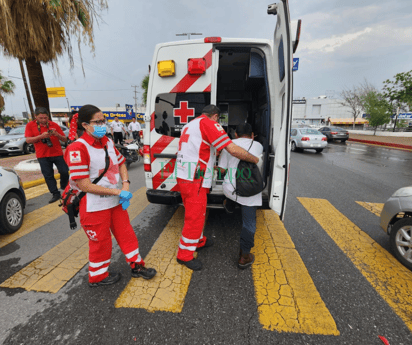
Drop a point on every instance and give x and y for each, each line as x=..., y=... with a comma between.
x=157, y=99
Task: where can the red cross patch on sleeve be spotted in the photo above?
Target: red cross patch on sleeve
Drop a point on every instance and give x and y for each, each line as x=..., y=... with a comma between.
x=75, y=157
x=219, y=127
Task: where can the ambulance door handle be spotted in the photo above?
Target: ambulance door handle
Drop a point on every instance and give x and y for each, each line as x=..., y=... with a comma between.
x=272, y=156
x=165, y=155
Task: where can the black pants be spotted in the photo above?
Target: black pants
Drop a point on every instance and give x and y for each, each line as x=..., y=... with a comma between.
x=136, y=135
x=118, y=137
x=46, y=165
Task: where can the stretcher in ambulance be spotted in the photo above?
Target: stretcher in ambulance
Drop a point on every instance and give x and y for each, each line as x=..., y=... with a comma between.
x=250, y=80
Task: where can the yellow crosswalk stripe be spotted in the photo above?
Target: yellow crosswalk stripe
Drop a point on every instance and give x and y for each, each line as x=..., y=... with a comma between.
x=34, y=192
x=389, y=278
x=167, y=290
x=33, y=221
x=51, y=271
x=287, y=298
x=375, y=208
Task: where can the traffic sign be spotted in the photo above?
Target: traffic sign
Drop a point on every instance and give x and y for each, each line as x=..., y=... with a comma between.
x=295, y=64
x=56, y=92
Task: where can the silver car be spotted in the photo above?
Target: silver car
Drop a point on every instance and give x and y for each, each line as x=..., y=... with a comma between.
x=307, y=138
x=15, y=142
x=396, y=220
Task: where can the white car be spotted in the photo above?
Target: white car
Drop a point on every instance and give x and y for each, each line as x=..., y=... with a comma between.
x=12, y=201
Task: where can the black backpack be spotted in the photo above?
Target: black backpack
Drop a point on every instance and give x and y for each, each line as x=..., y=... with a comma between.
x=249, y=181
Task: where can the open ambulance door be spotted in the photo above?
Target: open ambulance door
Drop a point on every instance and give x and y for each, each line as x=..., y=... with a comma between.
x=281, y=99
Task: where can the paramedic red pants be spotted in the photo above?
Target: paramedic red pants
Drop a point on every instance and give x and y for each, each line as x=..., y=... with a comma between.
x=97, y=226
x=194, y=200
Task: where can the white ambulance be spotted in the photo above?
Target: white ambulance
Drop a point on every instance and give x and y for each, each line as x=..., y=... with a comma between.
x=250, y=80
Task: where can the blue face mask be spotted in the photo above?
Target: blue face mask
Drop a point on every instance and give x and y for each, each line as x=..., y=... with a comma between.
x=99, y=131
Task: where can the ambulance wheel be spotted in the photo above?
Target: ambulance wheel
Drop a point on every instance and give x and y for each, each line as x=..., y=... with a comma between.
x=11, y=213
x=319, y=150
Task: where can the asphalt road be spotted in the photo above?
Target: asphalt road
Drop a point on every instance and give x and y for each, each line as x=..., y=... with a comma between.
x=325, y=278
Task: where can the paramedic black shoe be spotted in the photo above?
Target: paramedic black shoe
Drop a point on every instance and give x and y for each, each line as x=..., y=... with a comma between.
x=194, y=264
x=209, y=242
x=55, y=197
x=141, y=271
x=112, y=278
x=229, y=206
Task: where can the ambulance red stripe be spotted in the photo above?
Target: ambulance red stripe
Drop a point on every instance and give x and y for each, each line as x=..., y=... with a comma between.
x=160, y=145
x=164, y=173
x=208, y=89
x=188, y=80
x=152, y=122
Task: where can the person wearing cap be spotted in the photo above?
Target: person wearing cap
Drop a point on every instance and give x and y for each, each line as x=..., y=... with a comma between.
x=196, y=157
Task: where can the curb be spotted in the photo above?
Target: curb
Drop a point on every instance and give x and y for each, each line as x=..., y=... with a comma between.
x=30, y=184
x=380, y=143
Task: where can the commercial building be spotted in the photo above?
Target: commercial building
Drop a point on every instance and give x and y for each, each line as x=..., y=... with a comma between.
x=61, y=115
x=323, y=110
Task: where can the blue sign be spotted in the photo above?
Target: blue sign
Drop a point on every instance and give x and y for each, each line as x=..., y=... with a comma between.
x=295, y=64
x=402, y=116
x=75, y=107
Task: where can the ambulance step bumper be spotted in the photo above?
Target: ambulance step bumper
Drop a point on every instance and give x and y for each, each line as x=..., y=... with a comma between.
x=164, y=197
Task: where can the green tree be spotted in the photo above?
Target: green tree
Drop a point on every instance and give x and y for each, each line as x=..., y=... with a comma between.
x=399, y=91
x=145, y=86
x=6, y=87
x=377, y=107
x=42, y=30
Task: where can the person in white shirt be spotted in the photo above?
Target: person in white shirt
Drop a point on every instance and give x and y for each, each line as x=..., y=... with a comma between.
x=117, y=128
x=135, y=128
x=227, y=163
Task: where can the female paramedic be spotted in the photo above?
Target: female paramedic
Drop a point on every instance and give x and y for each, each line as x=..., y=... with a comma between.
x=103, y=208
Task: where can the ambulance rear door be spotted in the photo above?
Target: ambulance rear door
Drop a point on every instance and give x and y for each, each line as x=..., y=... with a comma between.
x=181, y=87
x=281, y=107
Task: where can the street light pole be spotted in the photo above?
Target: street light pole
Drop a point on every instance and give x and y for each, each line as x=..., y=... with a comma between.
x=188, y=34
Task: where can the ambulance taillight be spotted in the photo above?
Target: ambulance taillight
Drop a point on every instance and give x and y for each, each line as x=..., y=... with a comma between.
x=196, y=66
x=146, y=158
x=213, y=39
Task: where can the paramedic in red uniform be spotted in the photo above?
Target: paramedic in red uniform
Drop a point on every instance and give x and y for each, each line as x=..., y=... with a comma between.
x=103, y=209
x=196, y=157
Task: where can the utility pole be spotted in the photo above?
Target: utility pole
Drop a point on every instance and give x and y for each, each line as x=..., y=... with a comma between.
x=135, y=98
x=188, y=34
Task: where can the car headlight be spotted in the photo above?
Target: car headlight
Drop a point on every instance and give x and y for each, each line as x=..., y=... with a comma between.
x=405, y=191
x=14, y=140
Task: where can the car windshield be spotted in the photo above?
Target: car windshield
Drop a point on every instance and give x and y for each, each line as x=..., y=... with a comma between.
x=309, y=131
x=18, y=130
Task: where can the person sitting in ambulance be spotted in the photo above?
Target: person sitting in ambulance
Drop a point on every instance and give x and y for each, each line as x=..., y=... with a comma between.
x=103, y=208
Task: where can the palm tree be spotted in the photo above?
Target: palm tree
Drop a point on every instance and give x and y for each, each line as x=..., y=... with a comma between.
x=42, y=30
x=145, y=87
x=6, y=87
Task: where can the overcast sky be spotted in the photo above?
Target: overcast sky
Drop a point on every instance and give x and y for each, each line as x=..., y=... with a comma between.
x=342, y=44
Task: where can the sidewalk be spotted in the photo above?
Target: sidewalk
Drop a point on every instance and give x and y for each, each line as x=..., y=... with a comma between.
x=390, y=141
x=26, y=176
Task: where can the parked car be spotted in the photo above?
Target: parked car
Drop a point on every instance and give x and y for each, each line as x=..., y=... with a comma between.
x=15, y=142
x=12, y=201
x=307, y=138
x=396, y=221
x=335, y=133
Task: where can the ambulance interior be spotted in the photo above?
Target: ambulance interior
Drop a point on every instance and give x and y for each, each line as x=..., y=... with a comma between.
x=242, y=96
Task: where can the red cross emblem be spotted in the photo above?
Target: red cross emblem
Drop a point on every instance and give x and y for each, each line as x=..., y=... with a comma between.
x=74, y=155
x=111, y=172
x=184, y=138
x=184, y=112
